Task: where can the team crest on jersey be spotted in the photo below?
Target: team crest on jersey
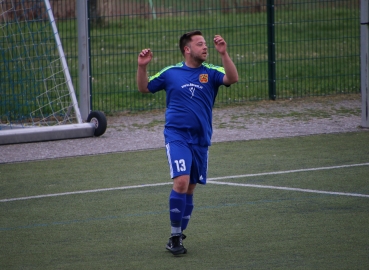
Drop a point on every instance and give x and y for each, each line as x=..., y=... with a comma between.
x=203, y=78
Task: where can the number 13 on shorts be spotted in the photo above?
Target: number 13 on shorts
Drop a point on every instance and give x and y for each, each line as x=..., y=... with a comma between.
x=188, y=159
x=179, y=159
x=181, y=165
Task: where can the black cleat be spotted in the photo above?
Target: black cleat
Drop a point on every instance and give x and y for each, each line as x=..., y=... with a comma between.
x=175, y=245
x=170, y=241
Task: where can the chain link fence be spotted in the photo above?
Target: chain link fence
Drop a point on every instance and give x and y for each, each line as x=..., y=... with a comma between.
x=282, y=48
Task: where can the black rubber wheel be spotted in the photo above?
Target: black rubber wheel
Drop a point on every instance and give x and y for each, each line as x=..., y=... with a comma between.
x=99, y=120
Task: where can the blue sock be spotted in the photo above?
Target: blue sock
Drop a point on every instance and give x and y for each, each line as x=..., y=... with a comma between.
x=177, y=204
x=187, y=211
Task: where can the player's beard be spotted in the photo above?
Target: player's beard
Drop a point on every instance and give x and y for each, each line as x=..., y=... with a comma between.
x=199, y=58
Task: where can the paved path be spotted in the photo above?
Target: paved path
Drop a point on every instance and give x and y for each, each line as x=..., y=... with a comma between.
x=250, y=121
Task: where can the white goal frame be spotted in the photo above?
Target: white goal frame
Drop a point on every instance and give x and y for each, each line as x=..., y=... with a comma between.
x=57, y=131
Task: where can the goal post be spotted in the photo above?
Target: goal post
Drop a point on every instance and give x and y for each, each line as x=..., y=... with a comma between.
x=37, y=97
x=364, y=62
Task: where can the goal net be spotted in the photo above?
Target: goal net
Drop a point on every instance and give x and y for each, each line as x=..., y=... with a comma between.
x=37, y=98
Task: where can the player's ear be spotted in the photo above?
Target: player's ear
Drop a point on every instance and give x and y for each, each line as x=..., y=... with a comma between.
x=187, y=49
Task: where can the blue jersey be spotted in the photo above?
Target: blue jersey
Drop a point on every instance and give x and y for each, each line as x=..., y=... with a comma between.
x=190, y=96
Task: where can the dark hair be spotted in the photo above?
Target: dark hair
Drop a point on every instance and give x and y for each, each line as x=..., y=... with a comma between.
x=185, y=38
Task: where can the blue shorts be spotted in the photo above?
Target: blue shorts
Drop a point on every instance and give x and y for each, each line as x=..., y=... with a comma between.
x=188, y=159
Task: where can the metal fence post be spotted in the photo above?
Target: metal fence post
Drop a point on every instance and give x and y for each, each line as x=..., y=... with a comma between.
x=364, y=62
x=83, y=58
x=271, y=50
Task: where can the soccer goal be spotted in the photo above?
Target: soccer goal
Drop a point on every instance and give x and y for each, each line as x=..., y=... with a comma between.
x=37, y=97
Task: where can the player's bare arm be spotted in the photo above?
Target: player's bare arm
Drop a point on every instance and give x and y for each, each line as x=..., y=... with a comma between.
x=143, y=60
x=231, y=73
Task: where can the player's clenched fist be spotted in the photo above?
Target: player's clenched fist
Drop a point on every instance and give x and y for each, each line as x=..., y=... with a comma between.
x=220, y=44
x=144, y=57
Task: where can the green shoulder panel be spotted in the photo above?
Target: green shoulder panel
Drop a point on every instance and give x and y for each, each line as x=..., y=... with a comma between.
x=165, y=69
x=180, y=64
x=211, y=66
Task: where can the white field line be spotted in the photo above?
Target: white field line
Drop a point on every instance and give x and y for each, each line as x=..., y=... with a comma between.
x=285, y=172
x=82, y=192
x=214, y=180
x=293, y=189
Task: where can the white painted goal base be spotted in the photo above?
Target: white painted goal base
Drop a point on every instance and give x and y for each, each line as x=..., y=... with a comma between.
x=50, y=133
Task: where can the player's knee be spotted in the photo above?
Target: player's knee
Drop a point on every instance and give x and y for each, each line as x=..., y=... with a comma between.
x=180, y=183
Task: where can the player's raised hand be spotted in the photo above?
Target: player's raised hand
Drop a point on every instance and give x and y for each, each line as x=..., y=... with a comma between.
x=144, y=57
x=220, y=44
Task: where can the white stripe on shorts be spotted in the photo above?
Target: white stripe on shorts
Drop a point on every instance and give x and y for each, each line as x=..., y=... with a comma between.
x=169, y=160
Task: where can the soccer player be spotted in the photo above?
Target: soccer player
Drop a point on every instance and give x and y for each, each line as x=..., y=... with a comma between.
x=191, y=88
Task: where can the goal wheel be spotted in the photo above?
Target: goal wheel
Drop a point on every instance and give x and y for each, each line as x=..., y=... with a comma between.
x=99, y=120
